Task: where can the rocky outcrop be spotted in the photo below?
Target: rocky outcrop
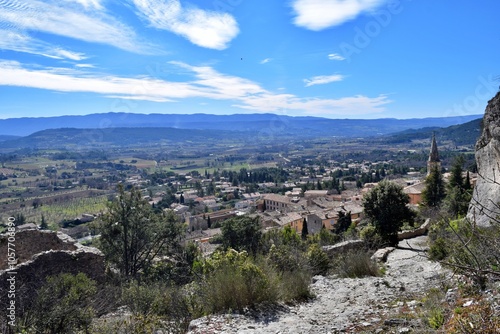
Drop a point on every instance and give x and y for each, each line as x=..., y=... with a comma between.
x=39, y=255
x=342, y=247
x=484, y=206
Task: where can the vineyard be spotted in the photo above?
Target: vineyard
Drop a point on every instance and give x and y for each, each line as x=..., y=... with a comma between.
x=68, y=210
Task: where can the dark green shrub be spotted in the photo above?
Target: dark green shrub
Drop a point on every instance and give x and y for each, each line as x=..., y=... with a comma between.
x=318, y=260
x=63, y=304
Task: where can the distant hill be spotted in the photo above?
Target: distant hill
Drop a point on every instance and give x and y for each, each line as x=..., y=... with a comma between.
x=460, y=135
x=115, y=137
x=7, y=137
x=262, y=124
x=71, y=138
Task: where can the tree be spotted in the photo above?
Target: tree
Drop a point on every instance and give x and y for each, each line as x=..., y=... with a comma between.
x=434, y=191
x=343, y=223
x=241, y=233
x=20, y=219
x=385, y=206
x=456, y=179
x=43, y=224
x=132, y=234
x=305, y=230
x=459, y=191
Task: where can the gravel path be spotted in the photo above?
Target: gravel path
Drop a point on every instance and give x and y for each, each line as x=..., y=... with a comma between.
x=343, y=305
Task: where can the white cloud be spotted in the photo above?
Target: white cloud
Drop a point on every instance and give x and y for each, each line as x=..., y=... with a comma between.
x=353, y=105
x=19, y=42
x=85, y=65
x=335, y=56
x=265, y=61
x=89, y=3
x=209, y=29
x=206, y=83
x=321, y=14
x=323, y=79
x=64, y=19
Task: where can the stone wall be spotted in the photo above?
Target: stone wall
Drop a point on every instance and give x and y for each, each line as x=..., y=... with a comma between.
x=422, y=230
x=41, y=254
x=31, y=242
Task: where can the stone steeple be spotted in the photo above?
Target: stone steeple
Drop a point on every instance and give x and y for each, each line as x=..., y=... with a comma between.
x=433, y=161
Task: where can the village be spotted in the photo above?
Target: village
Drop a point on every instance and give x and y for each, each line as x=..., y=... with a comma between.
x=310, y=199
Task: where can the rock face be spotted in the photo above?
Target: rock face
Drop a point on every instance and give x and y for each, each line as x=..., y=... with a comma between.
x=484, y=206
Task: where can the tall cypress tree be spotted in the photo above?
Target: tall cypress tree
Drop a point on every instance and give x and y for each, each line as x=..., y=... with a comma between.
x=305, y=230
x=434, y=191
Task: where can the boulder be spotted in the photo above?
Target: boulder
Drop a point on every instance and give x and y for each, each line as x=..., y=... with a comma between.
x=342, y=247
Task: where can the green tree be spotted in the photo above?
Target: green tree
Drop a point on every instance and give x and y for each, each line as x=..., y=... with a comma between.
x=20, y=219
x=386, y=207
x=305, y=230
x=43, y=223
x=241, y=233
x=456, y=179
x=459, y=191
x=132, y=234
x=434, y=191
x=343, y=223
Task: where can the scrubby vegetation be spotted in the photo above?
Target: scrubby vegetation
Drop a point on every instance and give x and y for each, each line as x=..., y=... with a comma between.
x=177, y=284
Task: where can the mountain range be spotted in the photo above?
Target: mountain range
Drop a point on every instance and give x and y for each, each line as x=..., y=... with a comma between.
x=106, y=137
x=265, y=124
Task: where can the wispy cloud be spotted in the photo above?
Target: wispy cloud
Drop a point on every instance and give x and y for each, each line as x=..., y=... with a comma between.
x=321, y=14
x=84, y=65
x=21, y=42
x=206, y=83
x=335, y=56
x=265, y=61
x=209, y=29
x=65, y=18
x=89, y=3
x=323, y=79
x=353, y=105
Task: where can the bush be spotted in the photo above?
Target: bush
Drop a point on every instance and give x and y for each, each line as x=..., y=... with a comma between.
x=232, y=281
x=438, y=250
x=63, y=305
x=472, y=251
x=154, y=303
x=370, y=236
x=354, y=264
x=286, y=258
x=318, y=260
x=294, y=286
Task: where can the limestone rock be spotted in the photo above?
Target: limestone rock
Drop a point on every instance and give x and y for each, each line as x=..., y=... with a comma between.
x=484, y=206
x=343, y=247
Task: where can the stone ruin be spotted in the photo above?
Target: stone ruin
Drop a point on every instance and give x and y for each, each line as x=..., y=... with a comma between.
x=40, y=254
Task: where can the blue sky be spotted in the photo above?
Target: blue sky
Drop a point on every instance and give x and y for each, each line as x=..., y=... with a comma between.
x=328, y=58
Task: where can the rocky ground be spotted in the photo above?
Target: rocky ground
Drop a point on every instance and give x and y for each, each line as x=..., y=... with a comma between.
x=369, y=305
